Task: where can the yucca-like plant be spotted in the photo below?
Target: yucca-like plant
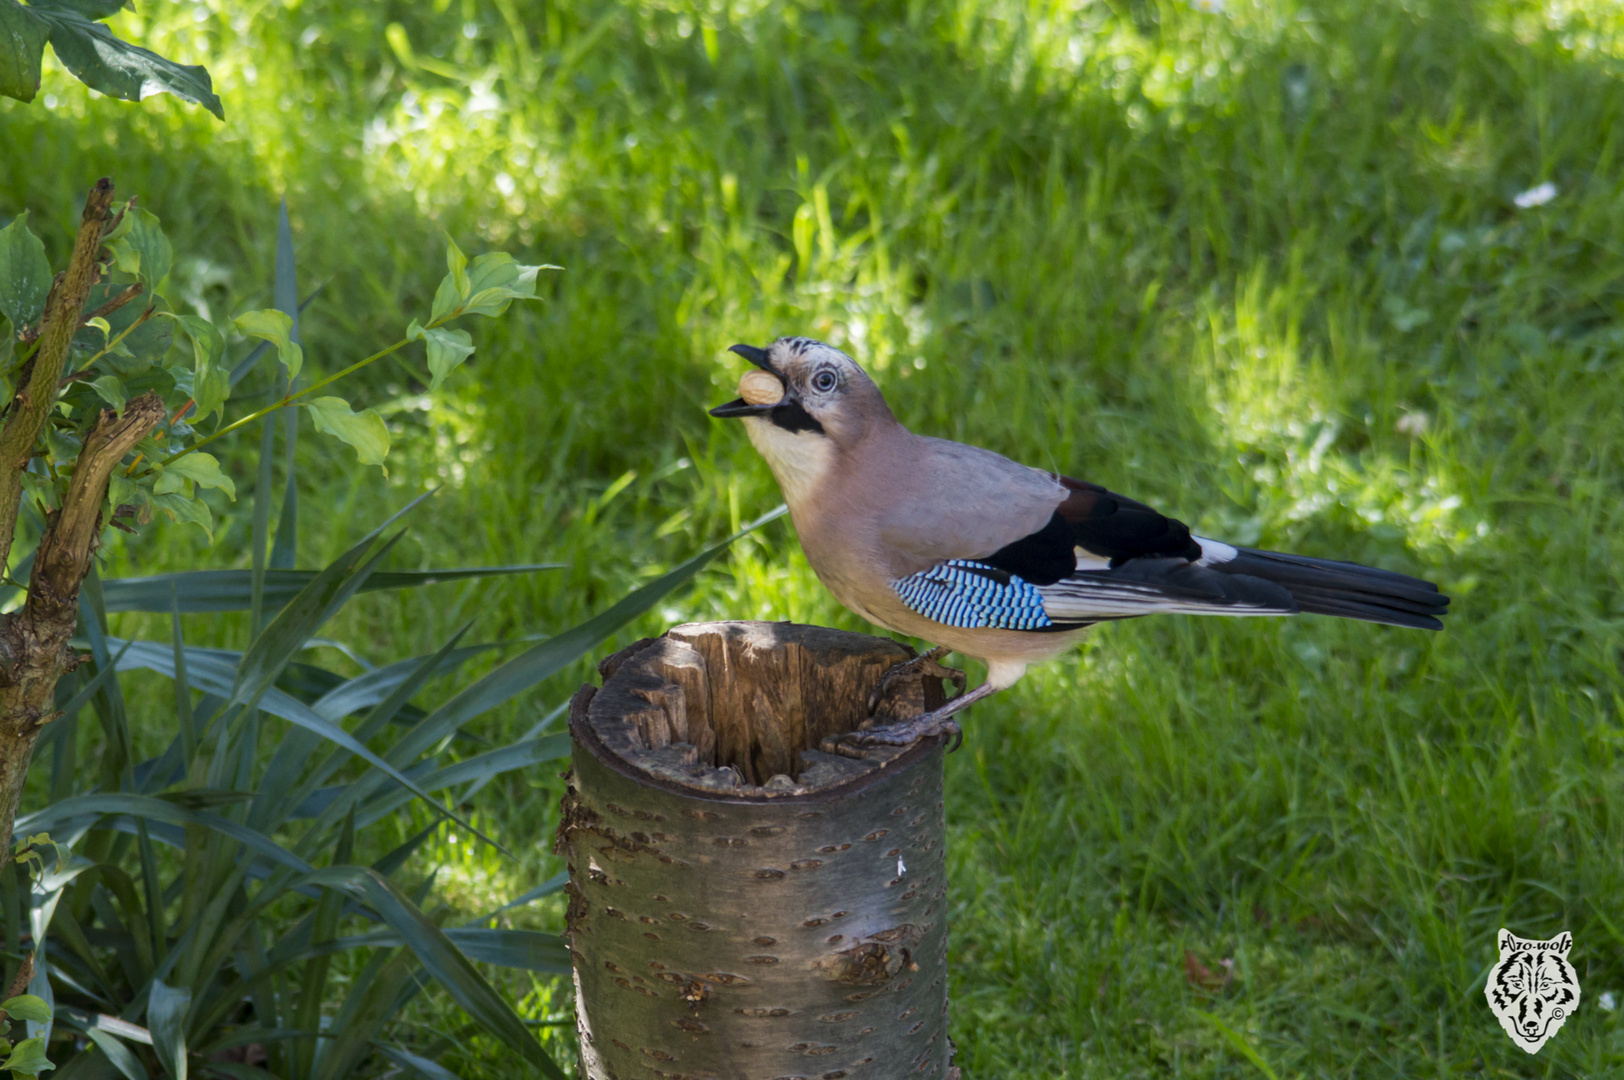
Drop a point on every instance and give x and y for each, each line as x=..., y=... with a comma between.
x=162, y=965
x=274, y=770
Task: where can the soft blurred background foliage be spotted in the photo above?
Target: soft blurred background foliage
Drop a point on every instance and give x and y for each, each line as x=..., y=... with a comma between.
x=1286, y=270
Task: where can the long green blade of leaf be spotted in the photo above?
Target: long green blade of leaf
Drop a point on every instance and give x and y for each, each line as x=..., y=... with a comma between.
x=389, y=979
x=441, y=958
x=409, y=681
x=261, y=527
x=148, y=808
x=183, y=686
x=286, y=295
x=546, y=888
x=116, y=1052
x=520, y=950
x=421, y=1066
x=1238, y=1041
x=379, y=684
x=166, y=1019
x=231, y=590
x=210, y=672
x=109, y=701
x=557, y=652
x=479, y=767
x=315, y=603
x=293, y=626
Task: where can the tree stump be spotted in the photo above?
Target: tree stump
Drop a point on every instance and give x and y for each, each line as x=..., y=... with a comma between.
x=744, y=902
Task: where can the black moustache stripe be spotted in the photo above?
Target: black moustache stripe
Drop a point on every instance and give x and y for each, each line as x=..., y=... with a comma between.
x=792, y=416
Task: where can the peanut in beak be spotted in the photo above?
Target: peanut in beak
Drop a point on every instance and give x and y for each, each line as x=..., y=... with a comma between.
x=761, y=388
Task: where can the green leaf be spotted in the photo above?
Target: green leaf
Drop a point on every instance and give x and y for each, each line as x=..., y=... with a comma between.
x=271, y=650
x=211, y=384
x=524, y=950
x=495, y=280
x=442, y=959
x=276, y=327
x=27, y=1007
x=148, y=808
x=551, y=656
x=242, y=1072
x=229, y=590
x=119, y=1054
x=27, y=1058
x=25, y=273
x=1238, y=1041
x=521, y=755
x=546, y=888
x=111, y=390
x=121, y=491
x=120, y=69
x=166, y=1019
x=423, y=1067
x=185, y=510
x=363, y=430
x=216, y=676
x=453, y=288
x=275, y=645
x=63, y=446
x=145, y=344
x=145, y=237
x=203, y=470
x=22, y=44
x=90, y=9
x=447, y=349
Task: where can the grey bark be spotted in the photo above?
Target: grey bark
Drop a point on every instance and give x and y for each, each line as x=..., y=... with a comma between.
x=746, y=903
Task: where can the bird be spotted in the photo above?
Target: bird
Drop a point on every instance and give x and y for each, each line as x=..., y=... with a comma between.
x=1011, y=565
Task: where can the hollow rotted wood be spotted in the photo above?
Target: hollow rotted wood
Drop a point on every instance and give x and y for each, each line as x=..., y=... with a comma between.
x=745, y=903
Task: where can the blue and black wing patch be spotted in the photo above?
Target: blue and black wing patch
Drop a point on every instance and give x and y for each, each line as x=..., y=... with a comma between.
x=973, y=595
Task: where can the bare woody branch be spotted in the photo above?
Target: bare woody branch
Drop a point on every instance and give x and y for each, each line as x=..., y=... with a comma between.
x=124, y=297
x=70, y=539
x=118, y=301
x=34, y=649
x=57, y=327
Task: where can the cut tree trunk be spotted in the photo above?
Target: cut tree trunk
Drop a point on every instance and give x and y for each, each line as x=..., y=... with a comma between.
x=745, y=903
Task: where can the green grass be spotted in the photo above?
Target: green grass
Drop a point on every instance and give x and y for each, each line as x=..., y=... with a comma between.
x=1261, y=268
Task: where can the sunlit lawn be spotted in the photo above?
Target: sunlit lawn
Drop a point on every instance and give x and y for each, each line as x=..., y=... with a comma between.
x=1262, y=267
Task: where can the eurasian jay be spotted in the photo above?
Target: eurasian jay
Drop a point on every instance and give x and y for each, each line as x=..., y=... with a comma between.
x=1008, y=564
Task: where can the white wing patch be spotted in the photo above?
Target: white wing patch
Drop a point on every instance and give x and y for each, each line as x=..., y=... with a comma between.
x=1087, y=560
x=1213, y=551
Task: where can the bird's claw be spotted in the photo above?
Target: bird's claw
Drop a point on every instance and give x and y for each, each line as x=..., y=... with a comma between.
x=907, y=732
x=926, y=665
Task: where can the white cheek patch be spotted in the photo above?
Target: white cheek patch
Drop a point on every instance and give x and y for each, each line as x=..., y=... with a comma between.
x=1214, y=551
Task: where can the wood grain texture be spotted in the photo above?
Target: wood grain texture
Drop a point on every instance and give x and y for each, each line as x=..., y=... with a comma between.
x=743, y=905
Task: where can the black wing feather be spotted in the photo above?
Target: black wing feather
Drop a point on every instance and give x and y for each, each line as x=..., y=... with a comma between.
x=1154, y=565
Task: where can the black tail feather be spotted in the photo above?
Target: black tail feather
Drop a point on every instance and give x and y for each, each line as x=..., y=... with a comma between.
x=1348, y=590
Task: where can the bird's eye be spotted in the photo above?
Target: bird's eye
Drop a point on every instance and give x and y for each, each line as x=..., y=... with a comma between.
x=823, y=381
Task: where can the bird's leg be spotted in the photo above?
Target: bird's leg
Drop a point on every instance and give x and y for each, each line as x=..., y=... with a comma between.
x=936, y=722
x=924, y=664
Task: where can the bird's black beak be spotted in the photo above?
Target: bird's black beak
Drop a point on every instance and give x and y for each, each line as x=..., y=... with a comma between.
x=756, y=356
x=739, y=406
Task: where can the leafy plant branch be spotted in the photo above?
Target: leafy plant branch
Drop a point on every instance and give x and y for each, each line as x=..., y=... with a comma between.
x=37, y=389
x=100, y=385
x=282, y=403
